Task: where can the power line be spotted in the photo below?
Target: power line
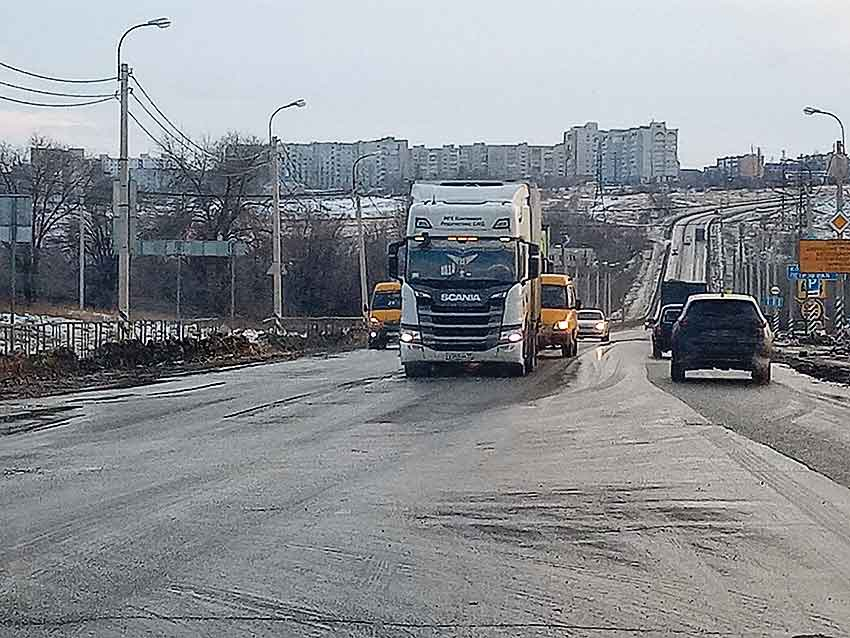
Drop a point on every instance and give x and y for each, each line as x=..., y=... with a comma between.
x=165, y=117
x=165, y=129
x=77, y=95
x=58, y=106
x=55, y=79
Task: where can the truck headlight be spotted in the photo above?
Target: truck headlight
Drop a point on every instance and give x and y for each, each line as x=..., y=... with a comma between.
x=410, y=336
x=600, y=326
x=511, y=336
x=562, y=325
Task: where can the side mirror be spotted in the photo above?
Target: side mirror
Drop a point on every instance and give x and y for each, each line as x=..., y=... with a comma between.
x=533, y=261
x=392, y=259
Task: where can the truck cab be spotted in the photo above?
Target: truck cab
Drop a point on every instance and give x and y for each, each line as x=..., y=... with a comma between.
x=559, y=319
x=384, y=314
x=469, y=268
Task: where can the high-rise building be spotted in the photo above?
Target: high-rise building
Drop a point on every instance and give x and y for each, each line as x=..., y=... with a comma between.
x=327, y=165
x=626, y=156
x=638, y=155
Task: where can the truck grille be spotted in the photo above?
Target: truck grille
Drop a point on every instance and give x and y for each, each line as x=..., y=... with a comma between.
x=460, y=327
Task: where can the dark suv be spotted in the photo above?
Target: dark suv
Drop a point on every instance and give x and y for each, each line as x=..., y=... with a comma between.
x=663, y=329
x=727, y=332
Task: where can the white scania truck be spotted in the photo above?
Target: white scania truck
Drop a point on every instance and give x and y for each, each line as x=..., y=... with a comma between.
x=469, y=267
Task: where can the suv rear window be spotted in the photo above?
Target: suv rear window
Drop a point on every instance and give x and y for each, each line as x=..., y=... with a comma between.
x=711, y=309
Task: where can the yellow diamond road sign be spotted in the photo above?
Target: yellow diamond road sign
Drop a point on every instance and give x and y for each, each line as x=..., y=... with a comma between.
x=839, y=222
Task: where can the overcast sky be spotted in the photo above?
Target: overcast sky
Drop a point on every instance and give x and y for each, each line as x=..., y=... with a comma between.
x=729, y=74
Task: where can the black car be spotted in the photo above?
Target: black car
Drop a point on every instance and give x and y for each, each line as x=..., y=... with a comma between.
x=726, y=332
x=662, y=331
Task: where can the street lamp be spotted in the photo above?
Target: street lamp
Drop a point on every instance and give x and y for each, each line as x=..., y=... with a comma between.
x=277, y=274
x=810, y=110
x=123, y=204
x=839, y=173
x=361, y=242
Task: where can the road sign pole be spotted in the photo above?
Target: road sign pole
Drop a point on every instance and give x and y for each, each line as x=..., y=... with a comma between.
x=232, y=285
x=13, y=237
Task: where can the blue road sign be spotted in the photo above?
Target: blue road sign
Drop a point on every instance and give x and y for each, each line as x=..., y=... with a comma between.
x=794, y=273
x=773, y=301
x=813, y=287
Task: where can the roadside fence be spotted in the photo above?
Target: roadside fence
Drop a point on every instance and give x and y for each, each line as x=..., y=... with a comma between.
x=84, y=338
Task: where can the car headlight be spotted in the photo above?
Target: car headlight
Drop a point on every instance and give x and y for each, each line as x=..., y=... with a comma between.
x=373, y=334
x=410, y=336
x=511, y=336
x=600, y=325
x=562, y=325
x=374, y=321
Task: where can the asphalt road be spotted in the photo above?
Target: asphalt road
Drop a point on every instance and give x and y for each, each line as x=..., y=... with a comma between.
x=334, y=497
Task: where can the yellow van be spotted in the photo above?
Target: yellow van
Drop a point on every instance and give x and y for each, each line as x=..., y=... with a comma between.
x=384, y=314
x=559, y=320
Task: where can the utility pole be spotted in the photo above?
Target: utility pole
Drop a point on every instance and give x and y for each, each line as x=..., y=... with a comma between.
x=361, y=240
x=598, y=297
x=123, y=201
x=82, y=250
x=277, y=270
x=361, y=258
x=277, y=265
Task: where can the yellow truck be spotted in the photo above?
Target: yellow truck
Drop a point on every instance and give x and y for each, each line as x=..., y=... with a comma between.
x=559, y=319
x=384, y=314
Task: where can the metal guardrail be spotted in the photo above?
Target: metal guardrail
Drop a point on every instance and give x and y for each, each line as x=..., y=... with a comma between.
x=85, y=337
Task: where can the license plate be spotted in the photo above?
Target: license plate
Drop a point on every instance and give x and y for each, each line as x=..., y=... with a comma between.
x=458, y=356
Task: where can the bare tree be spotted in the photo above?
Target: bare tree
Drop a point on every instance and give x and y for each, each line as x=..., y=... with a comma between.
x=55, y=177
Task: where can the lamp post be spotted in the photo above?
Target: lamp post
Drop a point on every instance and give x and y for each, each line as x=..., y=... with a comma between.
x=277, y=274
x=839, y=153
x=123, y=203
x=361, y=242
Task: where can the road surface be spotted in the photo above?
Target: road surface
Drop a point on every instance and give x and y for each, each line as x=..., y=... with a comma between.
x=331, y=496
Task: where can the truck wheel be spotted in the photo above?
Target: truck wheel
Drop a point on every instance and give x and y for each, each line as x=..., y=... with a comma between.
x=575, y=345
x=532, y=363
x=516, y=369
x=761, y=375
x=415, y=370
x=677, y=372
x=566, y=351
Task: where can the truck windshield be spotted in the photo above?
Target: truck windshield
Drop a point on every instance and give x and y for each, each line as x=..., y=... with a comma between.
x=386, y=301
x=452, y=261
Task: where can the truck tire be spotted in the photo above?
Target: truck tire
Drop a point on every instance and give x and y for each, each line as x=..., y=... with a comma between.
x=416, y=370
x=761, y=375
x=575, y=345
x=566, y=351
x=516, y=369
x=656, y=351
x=677, y=372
